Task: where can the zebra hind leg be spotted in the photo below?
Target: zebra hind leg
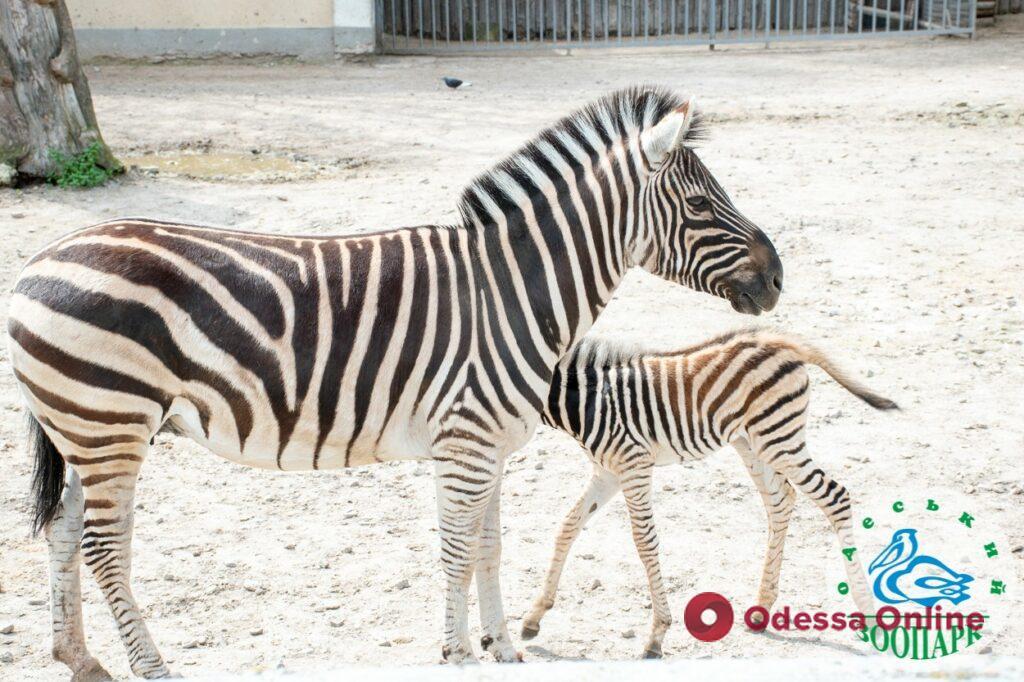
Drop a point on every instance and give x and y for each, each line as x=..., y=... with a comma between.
x=637, y=489
x=496, y=639
x=603, y=485
x=64, y=537
x=779, y=497
x=108, y=484
x=834, y=501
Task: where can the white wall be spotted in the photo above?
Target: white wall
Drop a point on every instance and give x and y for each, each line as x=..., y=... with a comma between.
x=142, y=28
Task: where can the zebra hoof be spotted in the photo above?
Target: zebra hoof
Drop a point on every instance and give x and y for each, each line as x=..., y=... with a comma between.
x=94, y=672
x=652, y=653
x=530, y=630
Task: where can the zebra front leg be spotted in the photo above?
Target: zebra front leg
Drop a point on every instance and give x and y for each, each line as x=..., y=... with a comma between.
x=834, y=501
x=465, y=486
x=603, y=484
x=636, y=488
x=778, y=497
x=108, y=484
x=496, y=639
x=64, y=537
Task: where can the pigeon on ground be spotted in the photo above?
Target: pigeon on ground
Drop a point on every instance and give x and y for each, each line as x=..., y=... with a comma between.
x=455, y=83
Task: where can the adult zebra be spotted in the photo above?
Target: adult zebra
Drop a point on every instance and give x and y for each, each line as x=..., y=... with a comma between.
x=302, y=353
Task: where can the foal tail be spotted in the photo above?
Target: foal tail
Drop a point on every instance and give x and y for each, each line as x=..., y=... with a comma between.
x=813, y=356
x=47, y=476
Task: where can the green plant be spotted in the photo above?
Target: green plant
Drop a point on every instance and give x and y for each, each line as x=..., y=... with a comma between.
x=80, y=170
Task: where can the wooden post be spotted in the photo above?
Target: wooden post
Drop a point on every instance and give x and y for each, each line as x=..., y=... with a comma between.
x=45, y=103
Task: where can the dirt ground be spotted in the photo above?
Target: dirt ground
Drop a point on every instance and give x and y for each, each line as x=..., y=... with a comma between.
x=889, y=177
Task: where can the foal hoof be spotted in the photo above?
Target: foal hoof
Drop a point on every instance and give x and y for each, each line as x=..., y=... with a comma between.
x=652, y=652
x=530, y=630
x=93, y=672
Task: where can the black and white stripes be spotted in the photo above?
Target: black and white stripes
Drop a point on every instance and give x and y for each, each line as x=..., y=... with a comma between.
x=302, y=353
x=633, y=411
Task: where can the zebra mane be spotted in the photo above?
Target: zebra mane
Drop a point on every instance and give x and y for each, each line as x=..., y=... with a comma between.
x=604, y=352
x=627, y=111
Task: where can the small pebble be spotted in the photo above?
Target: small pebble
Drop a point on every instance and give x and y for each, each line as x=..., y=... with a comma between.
x=7, y=657
x=256, y=632
x=628, y=634
x=7, y=629
x=402, y=585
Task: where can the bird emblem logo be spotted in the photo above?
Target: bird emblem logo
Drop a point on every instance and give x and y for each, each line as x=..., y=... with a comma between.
x=902, y=574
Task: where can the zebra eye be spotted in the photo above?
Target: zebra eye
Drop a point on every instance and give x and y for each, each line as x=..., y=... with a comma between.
x=699, y=203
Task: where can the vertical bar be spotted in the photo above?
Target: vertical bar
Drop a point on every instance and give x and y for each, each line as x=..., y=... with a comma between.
x=568, y=20
x=931, y=16
x=804, y=30
x=817, y=18
x=700, y=16
x=832, y=16
x=661, y=17
x=554, y=20
x=647, y=5
x=472, y=15
x=408, y=21
x=792, y=17
x=579, y=17
x=712, y=22
x=394, y=25
x=433, y=23
x=419, y=19
x=462, y=37
x=672, y=17
x=593, y=27
x=526, y=20
x=778, y=17
x=515, y=22
x=501, y=22
x=727, y=18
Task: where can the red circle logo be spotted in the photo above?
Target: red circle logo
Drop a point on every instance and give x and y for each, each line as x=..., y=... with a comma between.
x=694, y=621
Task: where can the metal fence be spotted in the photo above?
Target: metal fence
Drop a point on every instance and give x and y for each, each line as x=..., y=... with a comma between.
x=417, y=26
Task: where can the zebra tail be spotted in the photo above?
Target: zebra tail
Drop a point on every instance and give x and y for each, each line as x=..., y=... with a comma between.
x=47, y=476
x=814, y=356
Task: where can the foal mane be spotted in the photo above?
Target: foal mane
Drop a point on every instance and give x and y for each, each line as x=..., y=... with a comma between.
x=613, y=117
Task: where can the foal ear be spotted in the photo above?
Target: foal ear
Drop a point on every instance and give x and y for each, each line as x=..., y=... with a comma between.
x=668, y=133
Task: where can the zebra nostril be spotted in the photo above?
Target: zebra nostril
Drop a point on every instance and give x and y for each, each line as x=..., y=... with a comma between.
x=777, y=283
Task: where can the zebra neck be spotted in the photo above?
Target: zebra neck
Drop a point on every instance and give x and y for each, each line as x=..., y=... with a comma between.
x=560, y=241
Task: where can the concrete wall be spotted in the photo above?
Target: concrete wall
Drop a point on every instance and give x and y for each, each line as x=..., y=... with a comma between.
x=197, y=28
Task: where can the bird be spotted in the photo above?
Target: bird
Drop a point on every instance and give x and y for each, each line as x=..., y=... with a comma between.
x=904, y=576
x=455, y=83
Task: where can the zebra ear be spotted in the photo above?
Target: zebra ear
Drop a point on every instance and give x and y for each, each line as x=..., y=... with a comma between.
x=668, y=133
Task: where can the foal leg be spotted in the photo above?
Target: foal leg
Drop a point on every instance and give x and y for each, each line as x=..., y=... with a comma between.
x=108, y=484
x=636, y=488
x=466, y=484
x=64, y=536
x=496, y=639
x=602, y=486
x=791, y=458
x=778, y=497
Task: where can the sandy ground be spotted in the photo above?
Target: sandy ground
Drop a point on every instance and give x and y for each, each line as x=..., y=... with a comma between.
x=889, y=176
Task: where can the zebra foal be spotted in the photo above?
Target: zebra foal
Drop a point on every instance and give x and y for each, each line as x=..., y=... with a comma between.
x=299, y=353
x=633, y=411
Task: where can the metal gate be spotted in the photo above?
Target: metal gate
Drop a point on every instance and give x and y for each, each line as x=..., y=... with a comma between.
x=418, y=26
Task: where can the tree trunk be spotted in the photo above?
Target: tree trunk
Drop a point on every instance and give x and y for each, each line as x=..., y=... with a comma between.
x=45, y=104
